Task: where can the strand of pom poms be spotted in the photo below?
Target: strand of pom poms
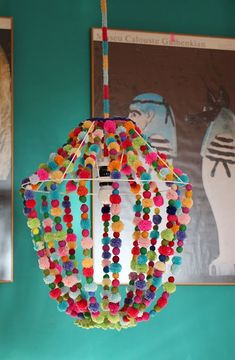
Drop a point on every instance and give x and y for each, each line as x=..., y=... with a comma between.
x=106, y=102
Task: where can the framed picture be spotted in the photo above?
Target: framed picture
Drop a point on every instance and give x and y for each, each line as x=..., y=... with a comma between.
x=180, y=90
x=6, y=150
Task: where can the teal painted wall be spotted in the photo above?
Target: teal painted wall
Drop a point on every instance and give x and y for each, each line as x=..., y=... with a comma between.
x=51, y=95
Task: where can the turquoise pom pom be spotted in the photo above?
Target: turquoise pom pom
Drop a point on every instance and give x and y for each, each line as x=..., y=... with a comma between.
x=115, y=268
x=154, y=234
x=145, y=176
x=62, y=306
x=106, y=240
x=157, y=281
x=137, y=208
x=142, y=259
x=177, y=260
x=95, y=148
x=110, y=140
x=153, y=313
x=177, y=204
x=52, y=165
x=184, y=178
x=85, y=223
x=81, y=135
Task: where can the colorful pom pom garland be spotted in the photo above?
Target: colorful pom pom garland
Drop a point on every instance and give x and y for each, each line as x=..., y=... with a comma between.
x=58, y=192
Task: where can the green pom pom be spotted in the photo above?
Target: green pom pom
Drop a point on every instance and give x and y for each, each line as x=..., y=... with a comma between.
x=60, y=235
x=142, y=268
x=69, y=166
x=138, y=142
x=131, y=159
x=33, y=223
x=167, y=234
x=169, y=287
x=48, y=237
x=151, y=255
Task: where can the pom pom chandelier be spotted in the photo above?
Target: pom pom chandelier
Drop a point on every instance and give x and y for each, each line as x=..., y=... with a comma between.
x=57, y=207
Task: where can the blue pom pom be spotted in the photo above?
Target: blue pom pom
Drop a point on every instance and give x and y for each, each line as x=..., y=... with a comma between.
x=106, y=240
x=145, y=176
x=95, y=148
x=142, y=259
x=29, y=195
x=85, y=223
x=52, y=165
x=62, y=306
x=115, y=268
x=115, y=174
x=110, y=140
x=137, y=208
x=157, y=281
x=154, y=234
x=177, y=260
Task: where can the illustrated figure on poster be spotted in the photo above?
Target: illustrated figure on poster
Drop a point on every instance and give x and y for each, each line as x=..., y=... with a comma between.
x=218, y=175
x=155, y=118
x=5, y=116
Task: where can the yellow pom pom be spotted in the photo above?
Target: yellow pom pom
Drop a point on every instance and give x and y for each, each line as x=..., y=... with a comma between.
x=136, y=235
x=147, y=203
x=117, y=226
x=187, y=202
x=189, y=194
x=160, y=266
x=56, y=211
x=115, y=146
x=157, y=211
x=56, y=176
x=90, y=161
x=106, y=282
x=35, y=231
x=87, y=124
x=136, y=164
x=87, y=263
x=51, y=244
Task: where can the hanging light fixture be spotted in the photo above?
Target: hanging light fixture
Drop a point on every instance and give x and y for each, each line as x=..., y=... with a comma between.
x=56, y=197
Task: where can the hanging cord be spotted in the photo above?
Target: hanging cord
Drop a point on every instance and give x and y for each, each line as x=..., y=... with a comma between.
x=106, y=104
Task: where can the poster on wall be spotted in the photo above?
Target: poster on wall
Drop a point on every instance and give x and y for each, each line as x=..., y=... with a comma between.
x=180, y=90
x=6, y=114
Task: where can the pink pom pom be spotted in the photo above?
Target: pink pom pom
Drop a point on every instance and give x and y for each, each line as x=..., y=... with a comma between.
x=158, y=200
x=115, y=209
x=145, y=225
x=151, y=157
x=70, y=280
x=98, y=133
x=178, y=171
x=110, y=126
x=144, y=242
x=87, y=243
x=136, y=220
x=145, y=316
x=42, y=174
x=126, y=170
x=71, y=237
x=47, y=222
x=184, y=219
x=113, y=307
x=106, y=262
x=171, y=195
x=62, y=251
x=71, y=186
x=43, y=263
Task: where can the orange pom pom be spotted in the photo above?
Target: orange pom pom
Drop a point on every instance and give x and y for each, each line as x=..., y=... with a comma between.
x=114, y=165
x=129, y=125
x=135, y=189
x=59, y=160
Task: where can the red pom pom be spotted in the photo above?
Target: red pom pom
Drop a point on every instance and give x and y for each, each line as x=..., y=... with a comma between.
x=87, y=272
x=135, y=251
x=84, y=174
x=115, y=199
x=55, y=293
x=166, y=250
x=132, y=312
x=58, y=279
x=82, y=191
x=82, y=305
x=30, y=204
x=162, y=302
x=106, y=217
x=126, y=143
x=68, y=218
